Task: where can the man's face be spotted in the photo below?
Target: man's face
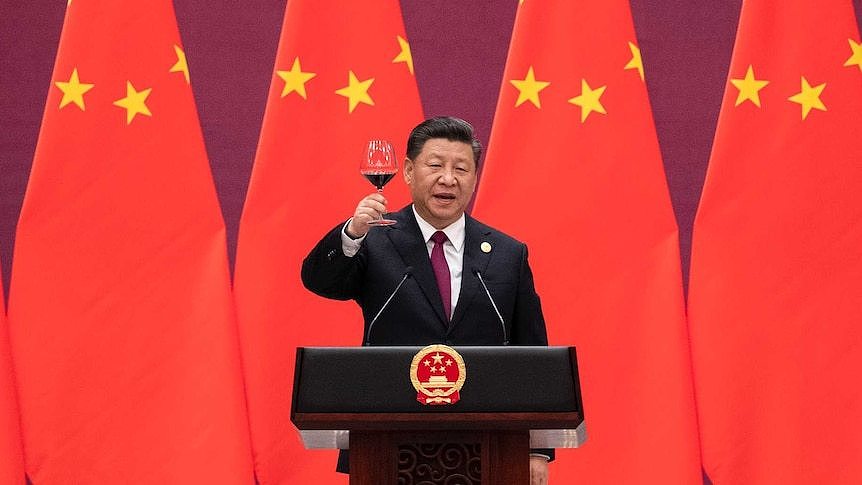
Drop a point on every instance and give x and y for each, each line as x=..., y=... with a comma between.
x=441, y=179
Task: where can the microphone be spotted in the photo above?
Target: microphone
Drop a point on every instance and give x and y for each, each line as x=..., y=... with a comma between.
x=407, y=273
x=493, y=304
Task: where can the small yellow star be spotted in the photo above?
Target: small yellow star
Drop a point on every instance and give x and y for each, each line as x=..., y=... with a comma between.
x=295, y=79
x=404, y=56
x=856, y=58
x=809, y=97
x=134, y=102
x=73, y=90
x=181, y=64
x=528, y=89
x=589, y=100
x=749, y=87
x=356, y=91
x=636, y=62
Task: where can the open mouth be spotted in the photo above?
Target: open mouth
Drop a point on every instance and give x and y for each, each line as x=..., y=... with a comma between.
x=444, y=197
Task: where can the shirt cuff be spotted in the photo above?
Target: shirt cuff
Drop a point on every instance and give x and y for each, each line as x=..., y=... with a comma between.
x=540, y=455
x=350, y=246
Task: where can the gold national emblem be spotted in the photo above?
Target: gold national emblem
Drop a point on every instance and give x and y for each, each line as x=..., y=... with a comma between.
x=438, y=373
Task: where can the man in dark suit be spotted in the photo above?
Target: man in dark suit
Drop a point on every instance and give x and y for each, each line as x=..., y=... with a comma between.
x=445, y=255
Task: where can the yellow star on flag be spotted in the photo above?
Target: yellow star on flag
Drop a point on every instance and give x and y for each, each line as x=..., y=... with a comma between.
x=809, y=97
x=589, y=100
x=295, y=79
x=404, y=56
x=749, y=87
x=636, y=62
x=73, y=90
x=134, y=102
x=529, y=88
x=856, y=58
x=356, y=91
x=181, y=64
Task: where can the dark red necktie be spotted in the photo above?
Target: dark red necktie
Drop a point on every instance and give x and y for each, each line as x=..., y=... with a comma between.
x=441, y=271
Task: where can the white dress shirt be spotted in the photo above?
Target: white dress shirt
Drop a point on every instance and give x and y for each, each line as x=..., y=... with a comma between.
x=453, y=249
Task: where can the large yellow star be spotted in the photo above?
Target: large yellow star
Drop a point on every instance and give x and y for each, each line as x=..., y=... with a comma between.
x=809, y=97
x=589, y=100
x=529, y=88
x=356, y=91
x=134, y=102
x=749, y=87
x=181, y=64
x=636, y=62
x=856, y=58
x=73, y=90
x=295, y=79
x=404, y=56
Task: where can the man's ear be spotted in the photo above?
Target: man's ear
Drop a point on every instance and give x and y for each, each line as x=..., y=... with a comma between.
x=408, y=170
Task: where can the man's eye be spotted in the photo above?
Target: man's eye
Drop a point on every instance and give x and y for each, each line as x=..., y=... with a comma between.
x=461, y=169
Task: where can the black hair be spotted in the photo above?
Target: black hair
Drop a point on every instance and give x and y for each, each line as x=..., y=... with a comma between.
x=448, y=127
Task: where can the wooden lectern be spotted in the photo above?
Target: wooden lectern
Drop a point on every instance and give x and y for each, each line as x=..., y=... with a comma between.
x=513, y=399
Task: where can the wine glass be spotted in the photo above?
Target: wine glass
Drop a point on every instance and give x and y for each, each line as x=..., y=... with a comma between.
x=379, y=165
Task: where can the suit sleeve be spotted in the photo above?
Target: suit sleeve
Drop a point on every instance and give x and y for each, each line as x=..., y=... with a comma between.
x=328, y=272
x=528, y=327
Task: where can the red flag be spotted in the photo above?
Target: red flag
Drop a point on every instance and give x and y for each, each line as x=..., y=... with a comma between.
x=775, y=295
x=12, y=462
x=343, y=74
x=574, y=170
x=121, y=316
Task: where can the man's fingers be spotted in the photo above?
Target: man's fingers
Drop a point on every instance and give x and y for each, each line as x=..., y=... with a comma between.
x=374, y=204
x=538, y=471
x=376, y=196
x=371, y=207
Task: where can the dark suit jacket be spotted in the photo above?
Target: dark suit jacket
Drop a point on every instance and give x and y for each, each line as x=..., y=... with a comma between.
x=415, y=316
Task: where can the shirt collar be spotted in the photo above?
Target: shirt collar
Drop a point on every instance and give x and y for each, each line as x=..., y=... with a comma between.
x=455, y=231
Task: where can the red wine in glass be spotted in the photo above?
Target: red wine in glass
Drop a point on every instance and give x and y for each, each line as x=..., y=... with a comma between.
x=378, y=166
x=379, y=179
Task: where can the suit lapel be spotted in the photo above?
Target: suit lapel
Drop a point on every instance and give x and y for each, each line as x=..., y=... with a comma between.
x=408, y=241
x=474, y=258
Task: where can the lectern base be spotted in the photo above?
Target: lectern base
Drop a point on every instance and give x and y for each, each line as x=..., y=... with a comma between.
x=431, y=457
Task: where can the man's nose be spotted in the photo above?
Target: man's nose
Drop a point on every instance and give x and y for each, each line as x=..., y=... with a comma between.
x=447, y=177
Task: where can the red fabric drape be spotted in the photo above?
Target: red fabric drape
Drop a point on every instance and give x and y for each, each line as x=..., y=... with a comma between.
x=12, y=462
x=775, y=294
x=574, y=171
x=343, y=75
x=122, y=322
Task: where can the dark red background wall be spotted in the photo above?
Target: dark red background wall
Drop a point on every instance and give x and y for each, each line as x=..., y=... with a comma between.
x=459, y=49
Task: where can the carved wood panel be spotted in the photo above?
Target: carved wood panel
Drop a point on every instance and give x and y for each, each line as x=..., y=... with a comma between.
x=440, y=464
